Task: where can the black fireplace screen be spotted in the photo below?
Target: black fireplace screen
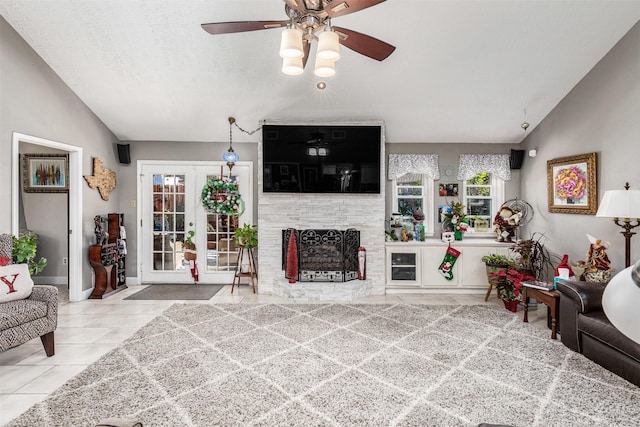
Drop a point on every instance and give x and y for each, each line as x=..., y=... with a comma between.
x=324, y=255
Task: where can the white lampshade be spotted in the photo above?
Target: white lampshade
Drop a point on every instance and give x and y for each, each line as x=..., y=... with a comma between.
x=291, y=43
x=329, y=46
x=620, y=204
x=324, y=67
x=620, y=301
x=292, y=66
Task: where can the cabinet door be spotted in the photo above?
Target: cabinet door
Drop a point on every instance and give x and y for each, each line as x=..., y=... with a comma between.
x=473, y=269
x=432, y=257
x=403, y=267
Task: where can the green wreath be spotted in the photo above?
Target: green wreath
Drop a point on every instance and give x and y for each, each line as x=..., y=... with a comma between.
x=220, y=195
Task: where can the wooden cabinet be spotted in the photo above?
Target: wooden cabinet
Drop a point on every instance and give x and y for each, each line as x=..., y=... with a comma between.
x=108, y=260
x=414, y=265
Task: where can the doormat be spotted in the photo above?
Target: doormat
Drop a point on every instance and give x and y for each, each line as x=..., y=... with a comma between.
x=172, y=291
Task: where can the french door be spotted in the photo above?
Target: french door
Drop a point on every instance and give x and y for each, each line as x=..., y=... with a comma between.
x=172, y=212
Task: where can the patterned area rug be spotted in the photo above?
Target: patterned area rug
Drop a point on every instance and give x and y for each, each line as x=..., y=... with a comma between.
x=167, y=291
x=341, y=365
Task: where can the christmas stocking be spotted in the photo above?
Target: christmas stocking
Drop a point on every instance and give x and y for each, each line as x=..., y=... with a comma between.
x=448, y=262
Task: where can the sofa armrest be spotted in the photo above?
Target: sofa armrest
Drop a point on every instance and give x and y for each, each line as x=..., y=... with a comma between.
x=586, y=296
x=48, y=294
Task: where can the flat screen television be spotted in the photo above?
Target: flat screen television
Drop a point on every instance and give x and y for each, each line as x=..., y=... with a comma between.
x=321, y=158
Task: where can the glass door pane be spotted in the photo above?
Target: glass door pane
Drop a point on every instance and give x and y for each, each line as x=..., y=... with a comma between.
x=168, y=222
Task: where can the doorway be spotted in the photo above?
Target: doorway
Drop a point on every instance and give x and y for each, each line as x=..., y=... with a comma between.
x=75, y=203
x=171, y=212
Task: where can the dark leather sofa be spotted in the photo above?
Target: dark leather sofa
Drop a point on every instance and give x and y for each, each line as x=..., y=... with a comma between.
x=584, y=328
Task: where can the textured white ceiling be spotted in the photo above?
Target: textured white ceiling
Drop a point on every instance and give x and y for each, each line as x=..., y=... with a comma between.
x=463, y=71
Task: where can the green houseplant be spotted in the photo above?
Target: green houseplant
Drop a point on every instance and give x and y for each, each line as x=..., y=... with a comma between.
x=24, y=252
x=533, y=258
x=246, y=236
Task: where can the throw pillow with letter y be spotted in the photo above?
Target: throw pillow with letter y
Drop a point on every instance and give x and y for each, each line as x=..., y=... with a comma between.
x=15, y=282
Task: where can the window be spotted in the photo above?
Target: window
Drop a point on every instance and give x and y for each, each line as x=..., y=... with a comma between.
x=483, y=194
x=413, y=191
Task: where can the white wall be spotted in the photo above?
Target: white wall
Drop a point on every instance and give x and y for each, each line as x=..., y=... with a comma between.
x=601, y=114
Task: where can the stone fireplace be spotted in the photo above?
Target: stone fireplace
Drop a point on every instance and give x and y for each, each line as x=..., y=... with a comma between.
x=305, y=211
x=324, y=255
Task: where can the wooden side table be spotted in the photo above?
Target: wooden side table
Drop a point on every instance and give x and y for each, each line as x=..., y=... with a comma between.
x=549, y=298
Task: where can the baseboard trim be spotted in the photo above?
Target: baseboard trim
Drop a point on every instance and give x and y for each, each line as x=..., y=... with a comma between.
x=50, y=280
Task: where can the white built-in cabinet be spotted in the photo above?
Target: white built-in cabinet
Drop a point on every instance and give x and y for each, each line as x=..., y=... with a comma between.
x=412, y=265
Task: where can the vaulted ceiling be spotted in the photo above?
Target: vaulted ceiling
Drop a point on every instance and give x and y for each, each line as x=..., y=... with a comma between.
x=462, y=71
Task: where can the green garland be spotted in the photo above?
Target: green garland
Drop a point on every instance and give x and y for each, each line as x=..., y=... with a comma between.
x=220, y=195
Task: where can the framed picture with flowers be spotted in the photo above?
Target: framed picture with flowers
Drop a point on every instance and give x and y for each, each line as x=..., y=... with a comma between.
x=572, y=184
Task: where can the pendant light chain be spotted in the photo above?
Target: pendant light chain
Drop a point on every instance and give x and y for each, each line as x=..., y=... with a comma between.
x=245, y=131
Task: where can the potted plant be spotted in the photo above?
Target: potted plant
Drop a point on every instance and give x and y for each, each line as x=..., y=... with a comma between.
x=509, y=285
x=532, y=258
x=24, y=252
x=246, y=236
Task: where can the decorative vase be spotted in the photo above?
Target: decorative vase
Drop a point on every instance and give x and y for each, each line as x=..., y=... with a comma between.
x=511, y=305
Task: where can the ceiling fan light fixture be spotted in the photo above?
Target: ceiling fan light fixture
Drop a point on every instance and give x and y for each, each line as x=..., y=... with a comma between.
x=291, y=43
x=324, y=67
x=292, y=66
x=329, y=45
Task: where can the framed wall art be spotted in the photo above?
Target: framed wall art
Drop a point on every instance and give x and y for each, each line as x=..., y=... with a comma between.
x=572, y=184
x=45, y=173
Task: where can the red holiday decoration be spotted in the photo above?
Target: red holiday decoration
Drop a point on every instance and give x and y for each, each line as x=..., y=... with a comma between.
x=292, y=258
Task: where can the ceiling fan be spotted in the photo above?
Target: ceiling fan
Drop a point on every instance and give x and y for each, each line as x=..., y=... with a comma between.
x=311, y=20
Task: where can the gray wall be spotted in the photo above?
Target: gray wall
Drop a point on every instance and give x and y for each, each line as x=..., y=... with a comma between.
x=184, y=151
x=34, y=101
x=601, y=114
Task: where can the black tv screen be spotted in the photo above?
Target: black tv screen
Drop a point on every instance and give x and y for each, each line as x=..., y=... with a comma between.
x=321, y=159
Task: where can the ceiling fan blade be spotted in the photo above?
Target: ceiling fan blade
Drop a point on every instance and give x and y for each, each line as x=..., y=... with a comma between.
x=364, y=44
x=241, y=26
x=343, y=7
x=296, y=4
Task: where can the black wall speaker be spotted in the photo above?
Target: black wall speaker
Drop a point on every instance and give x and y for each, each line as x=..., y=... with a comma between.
x=516, y=159
x=123, y=154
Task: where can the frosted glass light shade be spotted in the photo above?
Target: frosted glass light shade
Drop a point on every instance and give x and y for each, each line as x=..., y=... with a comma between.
x=620, y=301
x=620, y=204
x=324, y=67
x=230, y=156
x=292, y=66
x=291, y=43
x=329, y=46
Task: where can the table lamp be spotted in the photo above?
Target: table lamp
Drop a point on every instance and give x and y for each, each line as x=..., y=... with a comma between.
x=624, y=207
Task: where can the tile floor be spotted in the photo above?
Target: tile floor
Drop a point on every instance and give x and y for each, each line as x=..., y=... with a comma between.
x=89, y=329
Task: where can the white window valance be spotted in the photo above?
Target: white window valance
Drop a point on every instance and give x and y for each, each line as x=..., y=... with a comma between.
x=473, y=164
x=400, y=164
